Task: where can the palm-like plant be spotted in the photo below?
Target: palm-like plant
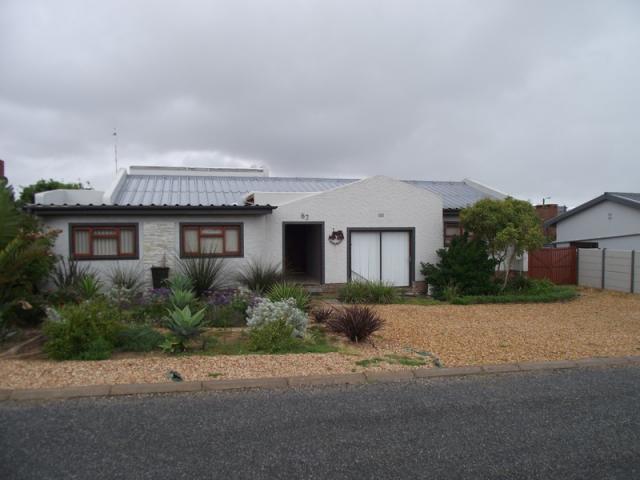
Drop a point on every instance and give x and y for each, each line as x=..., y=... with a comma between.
x=184, y=324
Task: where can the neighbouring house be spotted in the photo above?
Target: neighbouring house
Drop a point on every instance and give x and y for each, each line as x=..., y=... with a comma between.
x=323, y=231
x=611, y=220
x=545, y=212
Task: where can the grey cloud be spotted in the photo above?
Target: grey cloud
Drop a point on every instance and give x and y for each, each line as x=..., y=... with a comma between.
x=533, y=98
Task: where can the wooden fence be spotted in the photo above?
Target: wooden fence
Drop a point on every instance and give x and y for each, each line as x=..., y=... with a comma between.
x=555, y=264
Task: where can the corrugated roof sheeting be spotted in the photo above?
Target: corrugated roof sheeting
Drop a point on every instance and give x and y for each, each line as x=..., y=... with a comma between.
x=213, y=190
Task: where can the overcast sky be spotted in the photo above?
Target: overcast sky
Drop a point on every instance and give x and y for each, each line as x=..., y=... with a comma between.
x=535, y=99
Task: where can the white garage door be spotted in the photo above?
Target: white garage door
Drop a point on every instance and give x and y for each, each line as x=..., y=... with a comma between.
x=377, y=255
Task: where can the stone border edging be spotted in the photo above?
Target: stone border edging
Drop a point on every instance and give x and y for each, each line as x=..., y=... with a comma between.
x=383, y=376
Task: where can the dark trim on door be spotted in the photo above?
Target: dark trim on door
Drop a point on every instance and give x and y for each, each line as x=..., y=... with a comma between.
x=412, y=247
x=284, y=224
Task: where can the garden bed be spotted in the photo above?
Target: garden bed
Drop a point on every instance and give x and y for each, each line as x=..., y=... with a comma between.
x=598, y=323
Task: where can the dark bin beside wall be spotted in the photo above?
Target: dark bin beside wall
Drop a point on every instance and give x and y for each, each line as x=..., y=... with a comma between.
x=159, y=275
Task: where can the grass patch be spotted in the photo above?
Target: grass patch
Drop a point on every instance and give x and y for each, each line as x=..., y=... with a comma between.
x=556, y=294
x=424, y=301
x=218, y=343
x=392, y=359
x=214, y=374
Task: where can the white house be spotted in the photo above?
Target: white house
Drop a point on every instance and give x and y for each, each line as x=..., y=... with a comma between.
x=322, y=231
x=611, y=220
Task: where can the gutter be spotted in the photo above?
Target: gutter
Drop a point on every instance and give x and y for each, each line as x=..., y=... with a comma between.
x=60, y=210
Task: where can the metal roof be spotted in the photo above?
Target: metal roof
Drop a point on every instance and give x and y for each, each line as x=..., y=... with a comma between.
x=628, y=199
x=220, y=190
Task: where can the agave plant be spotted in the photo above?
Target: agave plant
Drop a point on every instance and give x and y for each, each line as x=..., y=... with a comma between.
x=182, y=298
x=179, y=282
x=184, y=324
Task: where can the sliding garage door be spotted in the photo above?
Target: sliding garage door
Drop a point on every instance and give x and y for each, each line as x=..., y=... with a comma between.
x=381, y=255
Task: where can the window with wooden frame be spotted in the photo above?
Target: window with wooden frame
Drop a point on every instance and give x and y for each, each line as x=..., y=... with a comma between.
x=451, y=229
x=97, y=242
x=211, y=240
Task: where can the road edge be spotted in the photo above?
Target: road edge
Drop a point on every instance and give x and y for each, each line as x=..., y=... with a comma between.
x=306, y=381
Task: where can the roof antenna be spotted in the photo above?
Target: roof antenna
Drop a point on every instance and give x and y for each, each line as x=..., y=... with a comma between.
x=115, y=147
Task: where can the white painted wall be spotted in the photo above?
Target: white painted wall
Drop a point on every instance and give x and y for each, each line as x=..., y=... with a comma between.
x=603, y=223
x=158, y=237
x=373, y=202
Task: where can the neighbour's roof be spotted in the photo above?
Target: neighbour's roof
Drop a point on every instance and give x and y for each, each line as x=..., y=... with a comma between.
x=222, y=190
x=628, y=199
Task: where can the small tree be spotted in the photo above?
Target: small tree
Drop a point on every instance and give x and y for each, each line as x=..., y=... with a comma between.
x=28, y=193
x=465, y=266
x=509, y=227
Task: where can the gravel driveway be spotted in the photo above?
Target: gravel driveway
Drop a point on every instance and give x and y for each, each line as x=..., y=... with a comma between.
x=598, y=323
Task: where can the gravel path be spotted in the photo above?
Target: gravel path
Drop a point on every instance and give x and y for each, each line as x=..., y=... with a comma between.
x=599, y=323
x=596, y=324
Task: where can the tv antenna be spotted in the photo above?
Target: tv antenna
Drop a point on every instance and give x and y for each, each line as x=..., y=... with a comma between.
x=115, y=147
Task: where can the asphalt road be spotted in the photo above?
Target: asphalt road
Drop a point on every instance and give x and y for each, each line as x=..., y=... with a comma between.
x=563, y=424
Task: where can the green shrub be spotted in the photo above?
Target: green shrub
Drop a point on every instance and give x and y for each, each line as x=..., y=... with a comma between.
x=97, y=349
x=272, y=337
x=139, y=338
x=26, y=261
x=464, y=265
x=260, y=277
x=285, y=290
x=558, y=294
x=205, y=274
x=359, y=291
x=79, y=331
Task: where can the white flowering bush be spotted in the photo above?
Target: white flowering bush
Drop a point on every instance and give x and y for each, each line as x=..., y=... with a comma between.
x=267, y=312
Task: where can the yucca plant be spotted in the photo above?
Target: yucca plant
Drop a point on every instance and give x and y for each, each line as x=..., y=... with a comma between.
x=206, y=274
x=356, y=322
x=88, y=286
x=259, y=276
x=129, y=279
x=184, y=324
x=67, y=273
x=284, y=290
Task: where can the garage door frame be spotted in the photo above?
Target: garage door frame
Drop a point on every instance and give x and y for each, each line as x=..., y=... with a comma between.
x=412, y=246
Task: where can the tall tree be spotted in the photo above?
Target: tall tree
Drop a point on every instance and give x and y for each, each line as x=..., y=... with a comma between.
x=510, y=227
x=28, y=193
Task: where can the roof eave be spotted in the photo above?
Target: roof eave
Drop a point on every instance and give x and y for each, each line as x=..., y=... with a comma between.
x=594, y=201
x=59, y=210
